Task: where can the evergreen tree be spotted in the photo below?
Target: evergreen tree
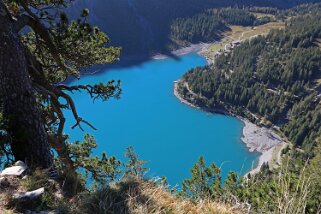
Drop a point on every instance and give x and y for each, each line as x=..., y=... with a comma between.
x=32, y=67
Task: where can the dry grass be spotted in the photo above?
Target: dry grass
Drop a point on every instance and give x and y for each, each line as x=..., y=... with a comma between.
x=6, y=191
x=290, y=194
x=52, y=199
x=317, y=42
x=241, y=33
x=133, y=196
x=289, y=201
x=145, y=197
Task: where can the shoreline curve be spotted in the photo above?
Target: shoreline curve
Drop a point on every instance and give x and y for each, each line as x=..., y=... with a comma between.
x=256, y=138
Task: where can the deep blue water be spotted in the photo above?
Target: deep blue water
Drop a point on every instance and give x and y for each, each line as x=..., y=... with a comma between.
x=163, y=131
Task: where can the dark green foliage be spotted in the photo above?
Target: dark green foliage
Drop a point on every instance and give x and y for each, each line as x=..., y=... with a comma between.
x=208, y=26
x=268, y=76
x=102, y=170
x=77, y=45
x=302, y=9
x=304, y=124
x=273, y=77
x=232, y=184
x=134, y=166
x=203, y=27
x=205, y=181
x=236, y=16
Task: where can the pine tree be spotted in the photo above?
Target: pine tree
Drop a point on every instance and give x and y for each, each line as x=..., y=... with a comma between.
x=32, y=67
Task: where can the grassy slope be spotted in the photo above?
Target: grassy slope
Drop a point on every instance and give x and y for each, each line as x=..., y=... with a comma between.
x=129, y=196
x=240, y=33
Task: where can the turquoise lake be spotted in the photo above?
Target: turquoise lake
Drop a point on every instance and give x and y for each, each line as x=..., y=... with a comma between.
x=162, y=130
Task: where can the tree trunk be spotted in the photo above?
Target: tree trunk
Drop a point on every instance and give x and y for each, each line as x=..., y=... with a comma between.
x=29, y=138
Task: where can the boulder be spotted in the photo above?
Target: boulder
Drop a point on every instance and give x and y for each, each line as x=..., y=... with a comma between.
x=14, y=171
x=29, y=196
x=20, y=163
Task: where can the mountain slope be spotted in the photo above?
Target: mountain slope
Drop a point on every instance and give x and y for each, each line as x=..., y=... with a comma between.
x=142, y=27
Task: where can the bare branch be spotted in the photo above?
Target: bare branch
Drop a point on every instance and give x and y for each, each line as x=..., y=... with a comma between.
x=74, y=111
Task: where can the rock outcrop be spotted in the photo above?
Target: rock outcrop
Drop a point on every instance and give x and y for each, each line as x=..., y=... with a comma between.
x=18, y=169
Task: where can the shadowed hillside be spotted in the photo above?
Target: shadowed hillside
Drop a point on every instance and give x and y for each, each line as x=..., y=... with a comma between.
x=142, y=27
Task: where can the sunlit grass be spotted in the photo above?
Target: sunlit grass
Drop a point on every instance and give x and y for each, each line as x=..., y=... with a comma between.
x=240, y=33
x=260, y=15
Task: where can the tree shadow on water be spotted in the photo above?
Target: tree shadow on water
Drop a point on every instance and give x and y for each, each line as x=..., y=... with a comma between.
x=123, y=63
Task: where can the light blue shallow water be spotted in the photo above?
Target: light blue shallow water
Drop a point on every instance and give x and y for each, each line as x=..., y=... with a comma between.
x=162, y=130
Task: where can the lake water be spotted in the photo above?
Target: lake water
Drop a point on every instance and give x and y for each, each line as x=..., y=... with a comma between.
x=168, y=134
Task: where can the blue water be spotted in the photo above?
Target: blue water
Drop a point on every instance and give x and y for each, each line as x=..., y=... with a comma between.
x=163, y=131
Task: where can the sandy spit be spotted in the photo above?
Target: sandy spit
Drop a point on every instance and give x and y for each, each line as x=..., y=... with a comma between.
x=262, y=140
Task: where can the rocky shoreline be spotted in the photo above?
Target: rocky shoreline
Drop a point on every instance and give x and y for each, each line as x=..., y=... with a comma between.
x=259, y=139
x=262, y=140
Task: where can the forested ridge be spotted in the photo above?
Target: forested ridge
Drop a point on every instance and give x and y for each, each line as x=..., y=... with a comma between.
x=270, y=76
x=211, y=24
x=275, y=81
x=149, y=22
